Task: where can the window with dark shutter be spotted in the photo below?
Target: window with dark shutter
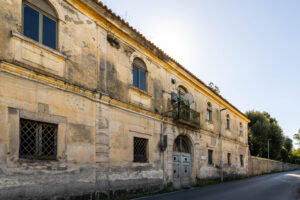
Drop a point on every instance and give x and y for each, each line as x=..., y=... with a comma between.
x=242, y=160
x=210, y=157
x=40, y=22
x=38, y=141
x=229, y=159
x=139, y=74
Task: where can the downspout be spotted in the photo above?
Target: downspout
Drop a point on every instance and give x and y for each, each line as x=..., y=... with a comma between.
x=163, y=152
x=221, y=152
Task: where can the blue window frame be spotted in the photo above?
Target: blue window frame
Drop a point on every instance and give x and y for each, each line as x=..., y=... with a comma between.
x=139, y=74
x=38, y=26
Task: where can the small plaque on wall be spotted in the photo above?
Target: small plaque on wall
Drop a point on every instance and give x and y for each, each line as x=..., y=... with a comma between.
x=203, y=157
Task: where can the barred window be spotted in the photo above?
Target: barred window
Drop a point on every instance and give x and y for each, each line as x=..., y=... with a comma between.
x=38, y=141
x=140, y=149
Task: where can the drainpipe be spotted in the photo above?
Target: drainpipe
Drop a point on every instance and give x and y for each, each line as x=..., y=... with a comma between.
x=221, y=152
x=163, y=152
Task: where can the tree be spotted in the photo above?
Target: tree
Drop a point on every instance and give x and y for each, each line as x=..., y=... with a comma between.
x=297, y=137
x=286, y=149
x=288, y=144
x=214, y=87
x=262, y=128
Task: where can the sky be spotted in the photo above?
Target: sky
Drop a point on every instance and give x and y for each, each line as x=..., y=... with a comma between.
x=250, y=49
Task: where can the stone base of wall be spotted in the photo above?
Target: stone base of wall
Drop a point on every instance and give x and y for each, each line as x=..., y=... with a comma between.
x=257, y=165
x=75, y=191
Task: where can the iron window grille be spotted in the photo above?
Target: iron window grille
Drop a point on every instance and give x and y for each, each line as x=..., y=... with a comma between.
x=38, y=141
x=140, y=149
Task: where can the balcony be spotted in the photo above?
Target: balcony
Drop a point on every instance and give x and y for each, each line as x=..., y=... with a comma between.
x=185, y=115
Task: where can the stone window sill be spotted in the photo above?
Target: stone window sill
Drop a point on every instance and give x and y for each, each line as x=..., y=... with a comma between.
x=141, y=92
x=209, y=121
x=26, y=39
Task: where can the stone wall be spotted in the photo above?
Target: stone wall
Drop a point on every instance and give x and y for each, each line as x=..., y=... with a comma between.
x=257, y=165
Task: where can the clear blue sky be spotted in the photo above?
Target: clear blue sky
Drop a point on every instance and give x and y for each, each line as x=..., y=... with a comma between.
x=249, y=48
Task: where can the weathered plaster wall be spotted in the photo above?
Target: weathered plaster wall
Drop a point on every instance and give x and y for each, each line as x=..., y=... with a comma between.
x=20, y=98
x=85, y=86
x=259, y=165
x=77, y=41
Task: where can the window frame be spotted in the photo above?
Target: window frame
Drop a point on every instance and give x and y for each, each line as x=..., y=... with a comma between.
x=229, y=159
x=41, y=13
x=227, y=122
x=210, y=159
x=38, y=141
x=242, y=160
x=146, y=150
x=139, y=69
x=241, y=129
x=209, y=112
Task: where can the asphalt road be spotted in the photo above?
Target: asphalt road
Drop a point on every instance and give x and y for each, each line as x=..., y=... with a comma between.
x=279, y=186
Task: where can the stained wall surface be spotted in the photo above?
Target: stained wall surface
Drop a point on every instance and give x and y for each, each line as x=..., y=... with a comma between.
x=84, y=86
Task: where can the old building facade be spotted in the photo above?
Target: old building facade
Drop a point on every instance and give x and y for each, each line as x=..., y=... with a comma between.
x=88, y=106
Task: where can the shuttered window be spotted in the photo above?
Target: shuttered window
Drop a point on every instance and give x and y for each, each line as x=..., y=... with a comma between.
x=40, y=23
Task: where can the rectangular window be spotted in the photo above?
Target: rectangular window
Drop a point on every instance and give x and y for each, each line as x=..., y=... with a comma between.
x=135, y=77
x=49, y=32
x=242, y=160
x=38, y=141
x=210, y=157
x=31, y=23
x=140, y=149
x=142, y=80
x=229, y=159
x=208, y=115
x=241, y=129
x=39, y=27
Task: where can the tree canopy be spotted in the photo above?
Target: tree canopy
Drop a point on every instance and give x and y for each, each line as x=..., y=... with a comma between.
x=297, y=137
x=262, y=128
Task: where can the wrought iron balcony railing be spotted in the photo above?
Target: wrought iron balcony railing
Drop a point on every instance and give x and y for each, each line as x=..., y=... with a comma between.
x=184, y=114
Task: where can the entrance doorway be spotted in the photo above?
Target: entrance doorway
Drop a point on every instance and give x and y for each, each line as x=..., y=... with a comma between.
x=181, y=162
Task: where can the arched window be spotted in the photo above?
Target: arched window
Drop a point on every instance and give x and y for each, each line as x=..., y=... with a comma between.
x=241, y=129
x=182, y=91
x=208, y=112
x=227, y=121
x=139, y=74
x=40, y=22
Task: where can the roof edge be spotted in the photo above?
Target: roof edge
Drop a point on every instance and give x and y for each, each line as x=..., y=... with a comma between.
x=154, y=49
